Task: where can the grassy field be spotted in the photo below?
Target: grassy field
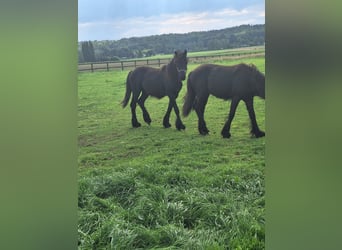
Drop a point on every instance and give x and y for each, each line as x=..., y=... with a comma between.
x=157, y=188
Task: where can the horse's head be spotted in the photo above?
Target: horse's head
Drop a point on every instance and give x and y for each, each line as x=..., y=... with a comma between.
x=181, y=62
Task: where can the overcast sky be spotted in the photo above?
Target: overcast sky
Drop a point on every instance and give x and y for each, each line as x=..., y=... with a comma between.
x=116, y=19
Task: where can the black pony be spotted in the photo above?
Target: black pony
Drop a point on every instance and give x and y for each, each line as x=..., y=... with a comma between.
x=167, y=81
x=238, y=82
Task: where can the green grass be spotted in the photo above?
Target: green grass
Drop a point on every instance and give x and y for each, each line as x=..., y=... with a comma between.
x=157, y=188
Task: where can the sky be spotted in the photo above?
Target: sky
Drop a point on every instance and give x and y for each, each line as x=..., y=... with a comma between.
x=116, y=19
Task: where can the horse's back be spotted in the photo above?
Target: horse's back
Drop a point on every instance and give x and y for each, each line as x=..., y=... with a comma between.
x=209, y=79
x=140, y=73
x=198, y=78
x=223, y=81
x=150, y=80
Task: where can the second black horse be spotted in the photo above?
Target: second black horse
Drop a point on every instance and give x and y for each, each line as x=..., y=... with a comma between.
x=167, y=81
x=237, y=82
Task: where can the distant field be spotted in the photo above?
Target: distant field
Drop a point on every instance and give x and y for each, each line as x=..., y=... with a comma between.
x=157, y=188
x=213, y=52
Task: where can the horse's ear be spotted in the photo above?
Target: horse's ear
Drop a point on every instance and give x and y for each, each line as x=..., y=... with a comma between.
x=175, y=52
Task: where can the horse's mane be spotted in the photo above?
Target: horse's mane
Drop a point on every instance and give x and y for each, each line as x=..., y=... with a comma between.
x=168, y=66
x=163, y=68
x=252, y=66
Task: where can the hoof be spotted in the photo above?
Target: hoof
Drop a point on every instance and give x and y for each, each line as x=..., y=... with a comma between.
x=167, y=125
x=136, y=124
x=225, y=134
x=147, y=119
x=259, y=134
x=180, y=125
x=204, y=132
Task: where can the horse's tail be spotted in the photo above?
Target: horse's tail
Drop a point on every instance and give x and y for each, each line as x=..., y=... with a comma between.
x=189, y=98
x=128, y=90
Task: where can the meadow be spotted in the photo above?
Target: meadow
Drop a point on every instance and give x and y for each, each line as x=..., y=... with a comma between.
x=157, y=188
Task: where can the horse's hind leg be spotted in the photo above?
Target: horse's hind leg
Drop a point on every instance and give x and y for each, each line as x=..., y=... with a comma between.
x=133, y=105
x=226, y=128
x=141, y=103
x=255, y=129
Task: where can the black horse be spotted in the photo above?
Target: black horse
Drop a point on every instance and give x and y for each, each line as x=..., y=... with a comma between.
x=167, y=81
x=238, y=82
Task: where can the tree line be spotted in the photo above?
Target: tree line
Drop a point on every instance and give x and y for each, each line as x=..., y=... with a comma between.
x=138, y=47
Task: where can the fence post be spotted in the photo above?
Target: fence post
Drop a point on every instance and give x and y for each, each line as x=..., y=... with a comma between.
x=122, y=67
x=91, y=65
x=147, y=61
x=159, y=63
x=107, y=67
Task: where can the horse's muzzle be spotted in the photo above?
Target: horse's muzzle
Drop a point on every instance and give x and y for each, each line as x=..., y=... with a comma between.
x=181, y=74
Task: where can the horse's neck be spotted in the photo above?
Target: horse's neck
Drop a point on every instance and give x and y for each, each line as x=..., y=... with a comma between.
x=172, y=71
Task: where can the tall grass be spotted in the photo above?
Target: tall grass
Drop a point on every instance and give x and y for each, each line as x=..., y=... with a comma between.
x=157, y=188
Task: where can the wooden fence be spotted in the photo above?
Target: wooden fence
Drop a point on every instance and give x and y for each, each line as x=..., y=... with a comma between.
x=131, y=64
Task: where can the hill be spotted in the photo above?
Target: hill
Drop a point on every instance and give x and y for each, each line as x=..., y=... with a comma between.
x=137, y=47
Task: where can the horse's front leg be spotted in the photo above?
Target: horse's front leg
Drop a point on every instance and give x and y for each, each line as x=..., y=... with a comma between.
x=166, y=120
x=200, y=108
x=179, y=123
x=226, y=128
x=173, y=104
x=141, y=103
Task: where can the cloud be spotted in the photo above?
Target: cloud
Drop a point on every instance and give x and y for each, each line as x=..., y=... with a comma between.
x=169, y=23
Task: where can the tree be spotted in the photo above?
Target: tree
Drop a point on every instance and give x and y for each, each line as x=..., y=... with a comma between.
x=91, y=52
x=88, y=51
x=135, y=47
x=149, y=52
